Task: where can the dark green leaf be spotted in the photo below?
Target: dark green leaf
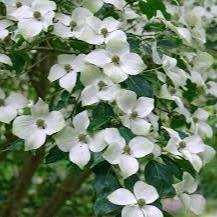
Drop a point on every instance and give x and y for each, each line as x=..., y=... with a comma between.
x=102, y=117
x=55, y=154
x=150, y=8
x=104, y=184
x=13, y=145
x=126, y=133
x=139, y=85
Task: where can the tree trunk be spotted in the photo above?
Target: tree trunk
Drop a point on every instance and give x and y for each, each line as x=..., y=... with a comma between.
x=22, y=184
x=65, y=191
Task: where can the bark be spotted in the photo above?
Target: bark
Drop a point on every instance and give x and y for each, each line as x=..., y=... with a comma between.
x=22, y=184
x=65, y=191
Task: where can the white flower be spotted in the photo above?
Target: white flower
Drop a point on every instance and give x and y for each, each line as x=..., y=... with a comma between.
x=34, y=19
x=76, y=140
x=212, y=88
x=4, y=24
x=66, y=70
x=10, y=105
x=199, y=124
x=118, y=152
x=138, y=203
x=116, y=60
x=101, y=31
x=102, y=89
x=177, y=75
x=185, y=191
x=135, y=111
x=188, y=148
x=5, y=59
x=35, y=127
x=74, y=25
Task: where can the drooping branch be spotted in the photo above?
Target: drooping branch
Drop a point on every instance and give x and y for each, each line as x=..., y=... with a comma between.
x=65, y=191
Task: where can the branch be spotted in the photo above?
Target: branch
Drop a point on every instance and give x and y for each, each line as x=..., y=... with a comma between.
x=65, y=191
x=54, y=49
x=22, y=184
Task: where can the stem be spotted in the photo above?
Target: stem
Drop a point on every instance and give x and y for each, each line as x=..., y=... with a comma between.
x=22, y=184
x=65, y=191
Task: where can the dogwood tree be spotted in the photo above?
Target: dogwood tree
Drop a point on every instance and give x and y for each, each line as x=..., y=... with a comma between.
x=122, y=89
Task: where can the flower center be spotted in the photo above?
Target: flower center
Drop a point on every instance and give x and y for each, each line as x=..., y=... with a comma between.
x=2, y=102
x=116, y=59
x=72, y=24
x=182, y=145
x=41, y=124
x=104, y=32
x=127, y=150
x=82, y=138
x=101, y=85
x=37, y=15
x=195, y=119
x=134, y=115
x=68, y=67
x=19, y=4
x=141, y=203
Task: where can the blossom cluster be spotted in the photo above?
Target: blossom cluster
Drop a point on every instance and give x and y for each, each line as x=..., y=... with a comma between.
x=102, y=75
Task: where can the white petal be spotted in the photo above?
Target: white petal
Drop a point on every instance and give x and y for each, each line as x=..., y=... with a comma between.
x=16, y=100
x=122, y=197
x=35, y=140
x=208, y=154
x=89, y=95
x=23, y=126
x=80, y=155
x=190, y=185
x=126, y=100
x=198, y=203
x=194, y=144
x=80, y=15
x=55, y=122
x=81, y=121
x=184, y=33
x=140, y=126
x=98, y=57
x=145, y=192
x=113, y=153
x=98, y=143
x=93, y=6
x=115, y=73
x=112, y=135
x=68, y=81
x=117, y=47
x=128, y=165
x=56, y=72
x=116, y=34
x=132, y=211
x=88, y=35
x=144, y=106
x=44, y=5
x=109, y=93
x=152, y=211
x=40, y=108
x=140, y=146
x=5, y=59
x=66, y=139
x=132, y=64
x=29, y=28
x=62, y=30
x=7, y=114
x=111, y=24
x=172, y=146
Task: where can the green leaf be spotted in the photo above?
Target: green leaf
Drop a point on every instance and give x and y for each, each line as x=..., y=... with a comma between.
x=150, y=8
x=55, y=154
x=13, y=145
x=19, y=59
x=139, y=85
x=102, y=117
x=126, y=133
x=161, y=175
x=104, y=184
